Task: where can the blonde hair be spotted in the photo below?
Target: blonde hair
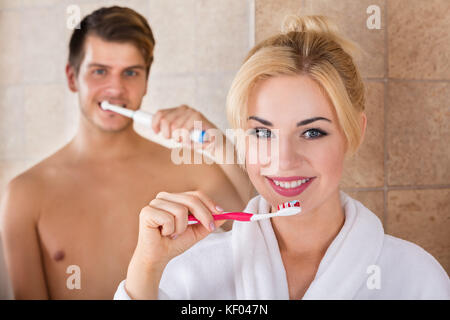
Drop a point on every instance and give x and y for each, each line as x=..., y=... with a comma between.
x=311, y=46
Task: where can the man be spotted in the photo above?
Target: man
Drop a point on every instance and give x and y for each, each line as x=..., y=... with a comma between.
x=70, y=223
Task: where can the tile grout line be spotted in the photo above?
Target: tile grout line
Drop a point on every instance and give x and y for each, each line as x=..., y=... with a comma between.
x=391, y=188
x=385, y=129
x=405, y=80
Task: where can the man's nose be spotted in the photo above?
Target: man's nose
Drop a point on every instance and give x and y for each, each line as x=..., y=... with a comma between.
x=115, y=85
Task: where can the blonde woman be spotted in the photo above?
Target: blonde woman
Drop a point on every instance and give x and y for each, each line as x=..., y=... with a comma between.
x=299, y=91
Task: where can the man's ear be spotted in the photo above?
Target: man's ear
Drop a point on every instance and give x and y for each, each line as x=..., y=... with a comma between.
x=71, y=78
x=146, y=84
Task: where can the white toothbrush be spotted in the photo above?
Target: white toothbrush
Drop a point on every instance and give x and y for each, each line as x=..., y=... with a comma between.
x=146, y=119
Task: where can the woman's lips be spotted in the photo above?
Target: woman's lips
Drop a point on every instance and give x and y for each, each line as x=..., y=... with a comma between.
x=290, y=192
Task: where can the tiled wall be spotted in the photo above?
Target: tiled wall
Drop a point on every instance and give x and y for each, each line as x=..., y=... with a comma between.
x=402, y=171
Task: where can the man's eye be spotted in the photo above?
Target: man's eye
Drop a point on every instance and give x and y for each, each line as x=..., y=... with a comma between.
x=314, y=134
x=130, y=73
x=261, y=133
x=99, y=71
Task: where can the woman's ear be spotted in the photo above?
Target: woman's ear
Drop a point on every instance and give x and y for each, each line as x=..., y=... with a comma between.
x=363, y=126
x=71, y=78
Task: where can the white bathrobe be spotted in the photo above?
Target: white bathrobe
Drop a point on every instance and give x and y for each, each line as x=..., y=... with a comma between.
x=361, y=263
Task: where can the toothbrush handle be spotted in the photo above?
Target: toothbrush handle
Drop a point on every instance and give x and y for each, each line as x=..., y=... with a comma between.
x=239, y=216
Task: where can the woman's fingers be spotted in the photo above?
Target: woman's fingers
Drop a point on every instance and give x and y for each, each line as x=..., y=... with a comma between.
x=179, y=212
x=166, y=218
x=156, y=218
x=198, y=204
x=211, y=205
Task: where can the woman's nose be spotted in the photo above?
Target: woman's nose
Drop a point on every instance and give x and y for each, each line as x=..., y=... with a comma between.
x=288, y=156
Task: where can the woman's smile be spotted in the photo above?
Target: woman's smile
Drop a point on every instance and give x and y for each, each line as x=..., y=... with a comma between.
x=290, y=186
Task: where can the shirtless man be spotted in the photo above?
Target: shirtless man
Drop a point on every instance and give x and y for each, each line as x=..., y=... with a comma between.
x=76, y=214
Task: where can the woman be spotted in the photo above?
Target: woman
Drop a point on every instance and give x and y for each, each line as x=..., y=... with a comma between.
x=301, y=94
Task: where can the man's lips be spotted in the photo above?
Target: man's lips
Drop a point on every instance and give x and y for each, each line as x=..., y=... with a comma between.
x=120, y=104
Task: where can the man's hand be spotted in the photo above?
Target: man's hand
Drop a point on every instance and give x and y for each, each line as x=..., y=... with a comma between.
x=167, y=121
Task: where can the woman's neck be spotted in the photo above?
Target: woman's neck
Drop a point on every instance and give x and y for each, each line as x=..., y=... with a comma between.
x=310, y=234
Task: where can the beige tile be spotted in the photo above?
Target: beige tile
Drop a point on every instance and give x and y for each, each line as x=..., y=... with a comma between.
x=221, y=35
x=211, y=96
x=173, y=25
x=42, y=45
x=88, y=6
x=46, y=125
x=417, y=133
x=366, y=167
x=351, y=17
x=12, y=139
x=269, y=16
x=11, y=68
x=25, y=4
x=168, y=92
x=373, y=200
x=422, y=217
x=419, y=39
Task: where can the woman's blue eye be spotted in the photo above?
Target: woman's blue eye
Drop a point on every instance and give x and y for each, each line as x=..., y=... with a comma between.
x=314, y=134
x=262, y=133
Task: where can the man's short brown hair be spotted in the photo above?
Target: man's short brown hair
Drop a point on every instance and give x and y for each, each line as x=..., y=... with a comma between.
x=116, y=24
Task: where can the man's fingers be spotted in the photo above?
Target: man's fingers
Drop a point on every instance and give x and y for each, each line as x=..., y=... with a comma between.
x=156, y=121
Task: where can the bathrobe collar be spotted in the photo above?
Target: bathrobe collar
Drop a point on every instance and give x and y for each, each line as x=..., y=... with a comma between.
x=259, y=269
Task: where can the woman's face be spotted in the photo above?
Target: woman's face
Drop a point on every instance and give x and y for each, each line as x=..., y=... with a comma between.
x=304, y=158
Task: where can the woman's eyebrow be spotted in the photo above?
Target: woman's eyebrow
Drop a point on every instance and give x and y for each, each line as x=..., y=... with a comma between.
x=264, y=122
x=301, y=123
x=308, y=121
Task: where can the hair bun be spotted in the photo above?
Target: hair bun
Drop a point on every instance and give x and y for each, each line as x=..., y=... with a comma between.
x=315, y=23
x=320, y=24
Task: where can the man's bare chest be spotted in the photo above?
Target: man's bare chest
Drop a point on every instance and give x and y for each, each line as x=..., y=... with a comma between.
x=89, y=224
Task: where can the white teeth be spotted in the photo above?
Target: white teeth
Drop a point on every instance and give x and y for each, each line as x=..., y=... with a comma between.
x=290, y=184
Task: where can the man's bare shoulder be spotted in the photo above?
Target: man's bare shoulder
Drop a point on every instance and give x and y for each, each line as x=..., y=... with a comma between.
x=32, y=181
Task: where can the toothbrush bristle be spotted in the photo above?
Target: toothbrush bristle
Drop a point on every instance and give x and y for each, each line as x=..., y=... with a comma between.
x=104, y=105
x=294, y=203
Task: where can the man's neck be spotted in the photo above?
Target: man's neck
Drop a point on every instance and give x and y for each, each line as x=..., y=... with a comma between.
x=96, y=145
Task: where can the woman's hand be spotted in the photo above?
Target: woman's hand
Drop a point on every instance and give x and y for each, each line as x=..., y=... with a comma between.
x=164, y=233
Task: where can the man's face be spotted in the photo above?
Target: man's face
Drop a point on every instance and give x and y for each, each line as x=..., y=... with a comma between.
x=110, y=71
